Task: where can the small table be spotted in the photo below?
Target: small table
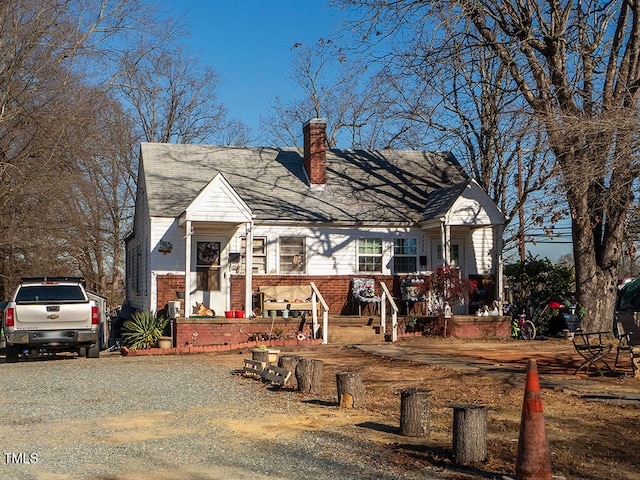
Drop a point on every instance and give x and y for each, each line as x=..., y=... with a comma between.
x=593, y=348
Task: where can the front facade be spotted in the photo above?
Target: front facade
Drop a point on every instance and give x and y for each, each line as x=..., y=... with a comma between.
x=310, y=214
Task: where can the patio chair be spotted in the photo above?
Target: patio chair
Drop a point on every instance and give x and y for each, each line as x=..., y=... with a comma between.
x=363, y=293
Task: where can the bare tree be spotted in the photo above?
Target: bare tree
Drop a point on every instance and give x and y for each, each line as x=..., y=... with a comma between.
x=333, y=87
x=46, y=134
x=452, y=97
x=575, y=66
x=174, y=98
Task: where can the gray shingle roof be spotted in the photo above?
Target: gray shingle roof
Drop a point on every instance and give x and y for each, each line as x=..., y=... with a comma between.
x=362, y=186
x=440, y=201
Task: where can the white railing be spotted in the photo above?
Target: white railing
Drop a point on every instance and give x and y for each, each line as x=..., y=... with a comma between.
x=315, y=297
x=387, y=297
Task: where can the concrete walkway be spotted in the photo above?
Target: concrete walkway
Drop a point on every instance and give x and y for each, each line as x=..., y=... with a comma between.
x=588, y=388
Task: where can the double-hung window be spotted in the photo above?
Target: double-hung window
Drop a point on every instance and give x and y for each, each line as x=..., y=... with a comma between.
x=370, y=255
x=405, y=253
x=259, y=253
x=292, y=256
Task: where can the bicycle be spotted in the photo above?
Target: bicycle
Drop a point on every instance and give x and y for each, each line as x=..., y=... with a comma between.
x=522, y=329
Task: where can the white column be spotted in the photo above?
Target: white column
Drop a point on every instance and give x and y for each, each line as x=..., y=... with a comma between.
x=187, y=270
x=445, y=237
x=248, y=270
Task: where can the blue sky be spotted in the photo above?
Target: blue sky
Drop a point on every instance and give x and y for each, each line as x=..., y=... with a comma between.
x=248, y=42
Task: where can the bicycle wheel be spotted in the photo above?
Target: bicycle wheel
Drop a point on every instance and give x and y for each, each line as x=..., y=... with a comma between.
x=528, y=330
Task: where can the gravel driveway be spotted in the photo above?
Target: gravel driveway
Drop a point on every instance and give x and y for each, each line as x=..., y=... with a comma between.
x=175, y=417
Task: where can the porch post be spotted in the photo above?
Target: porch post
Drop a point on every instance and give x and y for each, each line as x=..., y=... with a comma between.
x=248, y=270
x=445, y=237
x=187, y=270
x=497, y=242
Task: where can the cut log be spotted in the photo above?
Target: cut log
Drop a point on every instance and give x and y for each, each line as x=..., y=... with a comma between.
x=309, y=375
x=469, y=433
x=290, y=362
x=351, y=391
x=260, y=356
x=414, y=412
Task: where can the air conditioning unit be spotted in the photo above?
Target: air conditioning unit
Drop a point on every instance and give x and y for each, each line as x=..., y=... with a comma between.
x=173, y=310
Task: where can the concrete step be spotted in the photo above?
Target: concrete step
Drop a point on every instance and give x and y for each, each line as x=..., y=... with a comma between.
x=355, y=335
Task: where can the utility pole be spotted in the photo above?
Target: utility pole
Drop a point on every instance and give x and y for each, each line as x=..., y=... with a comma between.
x=521, y=242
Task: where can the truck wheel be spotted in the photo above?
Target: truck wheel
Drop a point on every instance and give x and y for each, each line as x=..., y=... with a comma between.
x=93, y=351
x=11, y=355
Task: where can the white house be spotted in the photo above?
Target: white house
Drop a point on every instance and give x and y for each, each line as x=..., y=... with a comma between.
x=310, y=214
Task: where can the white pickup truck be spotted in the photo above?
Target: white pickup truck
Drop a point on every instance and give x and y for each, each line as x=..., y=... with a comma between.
x=51, y=314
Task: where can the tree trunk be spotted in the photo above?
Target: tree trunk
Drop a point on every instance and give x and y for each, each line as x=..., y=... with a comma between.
x=290, y=362
x=351, y=391
x=414, y=412
x=596, y=281
x=469, y=433
x=309, y=375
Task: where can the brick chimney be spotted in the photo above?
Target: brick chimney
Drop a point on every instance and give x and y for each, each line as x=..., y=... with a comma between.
x=315, y=150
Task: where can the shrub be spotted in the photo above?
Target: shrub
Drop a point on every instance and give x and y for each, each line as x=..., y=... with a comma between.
x=534, y=283
x=143, y=330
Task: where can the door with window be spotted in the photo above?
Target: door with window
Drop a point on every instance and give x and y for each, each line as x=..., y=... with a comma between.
x=211, y=274
x=455, y=257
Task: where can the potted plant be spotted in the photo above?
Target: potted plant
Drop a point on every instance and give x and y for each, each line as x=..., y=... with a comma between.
x=143, y=330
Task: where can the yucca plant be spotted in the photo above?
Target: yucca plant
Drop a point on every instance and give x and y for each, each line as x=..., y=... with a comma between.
x=143, y=330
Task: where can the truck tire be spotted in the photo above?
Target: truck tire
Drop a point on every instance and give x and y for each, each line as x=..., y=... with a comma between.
x=11, y=355
x=93, y=351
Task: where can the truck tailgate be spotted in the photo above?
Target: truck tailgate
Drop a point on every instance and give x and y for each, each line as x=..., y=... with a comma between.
x=53, y=317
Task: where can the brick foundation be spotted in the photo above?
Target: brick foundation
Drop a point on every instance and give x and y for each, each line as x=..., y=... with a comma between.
x=220, y=331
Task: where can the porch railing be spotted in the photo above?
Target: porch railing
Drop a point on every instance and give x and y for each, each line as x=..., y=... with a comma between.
x=388, y=298
x=317, y=297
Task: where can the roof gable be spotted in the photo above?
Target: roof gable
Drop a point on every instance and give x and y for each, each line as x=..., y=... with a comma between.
x=463, y=204
x=218, y=202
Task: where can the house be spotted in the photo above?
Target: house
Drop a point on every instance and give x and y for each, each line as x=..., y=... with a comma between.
x=311, y=214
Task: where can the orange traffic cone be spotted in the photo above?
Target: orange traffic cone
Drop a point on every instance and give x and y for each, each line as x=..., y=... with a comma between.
x=534, y=461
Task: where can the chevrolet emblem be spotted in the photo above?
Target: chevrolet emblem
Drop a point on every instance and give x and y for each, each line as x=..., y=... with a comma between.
x=53, y=316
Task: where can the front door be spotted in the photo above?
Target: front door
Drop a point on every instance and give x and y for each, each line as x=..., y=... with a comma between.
x=455, y=257
x=211, y=276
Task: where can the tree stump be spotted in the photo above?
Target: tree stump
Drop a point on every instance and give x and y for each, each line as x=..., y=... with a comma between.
x=414, y=412
x=469, y=433
x=290, y=362
x=350, y=390
x=260, y=356
x=309, y=375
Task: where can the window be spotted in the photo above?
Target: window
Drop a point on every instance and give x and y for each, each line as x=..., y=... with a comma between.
x=370, y=255
x=292, y=255
x=259, y=254
x=404, y=255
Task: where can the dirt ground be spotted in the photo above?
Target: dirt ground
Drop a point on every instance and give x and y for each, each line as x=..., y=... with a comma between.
x=588, y=437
